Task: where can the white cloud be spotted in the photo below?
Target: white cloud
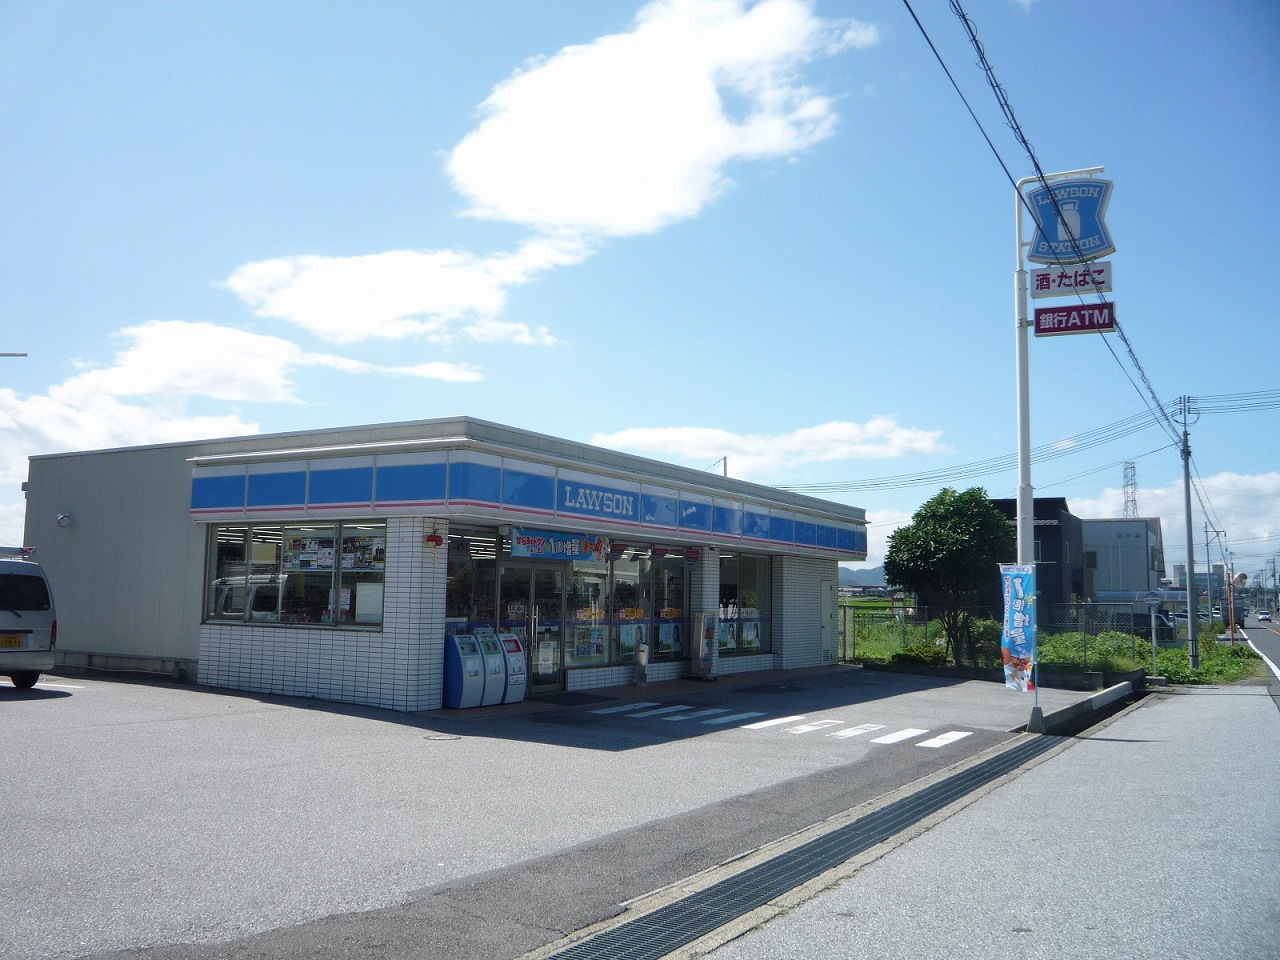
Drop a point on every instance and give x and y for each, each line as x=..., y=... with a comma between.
x=141, y=398
x=880, y=526
x=1246, y=506
x=634, y=131
x=621, y=136
x=397, y=294
x=752, y=454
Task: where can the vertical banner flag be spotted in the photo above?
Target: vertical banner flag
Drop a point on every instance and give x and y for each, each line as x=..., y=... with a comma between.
x=1018, y=640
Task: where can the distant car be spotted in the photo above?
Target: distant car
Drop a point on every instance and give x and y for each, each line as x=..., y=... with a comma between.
x=1264, y=616
x=28, y=628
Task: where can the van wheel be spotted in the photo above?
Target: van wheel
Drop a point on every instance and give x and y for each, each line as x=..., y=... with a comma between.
x=25, y=680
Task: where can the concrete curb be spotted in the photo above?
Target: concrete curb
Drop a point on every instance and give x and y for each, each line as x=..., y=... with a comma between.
x=1052, y=722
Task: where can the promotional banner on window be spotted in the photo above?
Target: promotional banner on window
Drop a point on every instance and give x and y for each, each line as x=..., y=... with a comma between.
x=545, y=545
x=1018, y=640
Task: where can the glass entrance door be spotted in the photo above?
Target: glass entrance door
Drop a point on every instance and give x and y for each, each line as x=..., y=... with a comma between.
x=532, y=604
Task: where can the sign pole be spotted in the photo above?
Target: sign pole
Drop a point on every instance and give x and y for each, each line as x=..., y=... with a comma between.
x=1026, y=499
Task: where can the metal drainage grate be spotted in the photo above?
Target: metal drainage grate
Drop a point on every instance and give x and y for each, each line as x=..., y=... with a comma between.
x=659, y=933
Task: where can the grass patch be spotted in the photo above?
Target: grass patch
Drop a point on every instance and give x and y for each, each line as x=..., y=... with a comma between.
x=1219, y=663
x=882, y=639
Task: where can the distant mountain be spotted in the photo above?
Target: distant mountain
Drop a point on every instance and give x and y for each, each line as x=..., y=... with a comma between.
x=870, y=577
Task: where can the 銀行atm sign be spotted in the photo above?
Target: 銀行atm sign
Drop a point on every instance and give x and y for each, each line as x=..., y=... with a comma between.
x=1078, y=318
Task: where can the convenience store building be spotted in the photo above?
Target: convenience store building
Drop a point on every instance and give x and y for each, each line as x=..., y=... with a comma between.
x=334, y=563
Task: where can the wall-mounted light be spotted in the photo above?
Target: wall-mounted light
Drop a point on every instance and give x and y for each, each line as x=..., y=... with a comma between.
x=64, y=519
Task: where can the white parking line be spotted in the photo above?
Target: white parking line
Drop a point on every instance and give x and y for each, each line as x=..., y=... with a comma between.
x=857, y=731
x=735, y=717
x=816, y=725
x=944, y=739
x=661, y=710
x=697, y=714
x=906, y=734
x=776, y=721
x=627, y=706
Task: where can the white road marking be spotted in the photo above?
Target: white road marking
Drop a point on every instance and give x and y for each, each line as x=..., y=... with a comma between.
x=627, y=706
x=733, y=718
x=906, y=734
x=857, y=731
x=719, y=717
x=776, y=721
x=697, y=714
x=946, y=738
x=661, y=710
x=816, y=725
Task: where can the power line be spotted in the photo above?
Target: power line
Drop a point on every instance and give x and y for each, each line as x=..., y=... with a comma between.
x=1055, y=450
x=1011, y=119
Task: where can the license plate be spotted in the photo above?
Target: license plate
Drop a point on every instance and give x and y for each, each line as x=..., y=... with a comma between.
x=10, y=641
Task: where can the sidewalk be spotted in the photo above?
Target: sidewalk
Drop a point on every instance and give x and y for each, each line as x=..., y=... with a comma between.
x=1155, y=835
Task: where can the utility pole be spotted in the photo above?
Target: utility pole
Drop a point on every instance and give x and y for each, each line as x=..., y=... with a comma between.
x=1193, y=620
x=1208, y=565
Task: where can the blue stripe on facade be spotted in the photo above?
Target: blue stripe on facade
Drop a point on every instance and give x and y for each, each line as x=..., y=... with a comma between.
x=277, y=489
x=755, y=525
x=782, y=530
x=348, y=485
x=411, y=483
x=727, y=520
x=659, y=510
x=475, y=483
x=217, y=493
x=532, y=490
x=483, y=483
x=695, y=516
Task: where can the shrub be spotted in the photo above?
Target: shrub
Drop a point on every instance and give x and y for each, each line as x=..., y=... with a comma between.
x=927, y=654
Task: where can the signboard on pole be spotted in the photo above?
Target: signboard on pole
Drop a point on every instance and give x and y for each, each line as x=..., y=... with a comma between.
x=1083, y=279
x=1078, y=318
x=1018, y=638
x=1070, y=221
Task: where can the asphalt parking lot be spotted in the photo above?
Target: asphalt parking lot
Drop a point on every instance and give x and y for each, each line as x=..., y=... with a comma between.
x=142, y=816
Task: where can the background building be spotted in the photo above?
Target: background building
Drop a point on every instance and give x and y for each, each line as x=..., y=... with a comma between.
x=1124, y=553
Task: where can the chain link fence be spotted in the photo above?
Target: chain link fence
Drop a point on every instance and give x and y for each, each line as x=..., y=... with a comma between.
x=1083, y=636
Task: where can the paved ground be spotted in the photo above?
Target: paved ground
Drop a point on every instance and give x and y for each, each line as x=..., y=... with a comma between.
x=1155, y=836
x=148, y=817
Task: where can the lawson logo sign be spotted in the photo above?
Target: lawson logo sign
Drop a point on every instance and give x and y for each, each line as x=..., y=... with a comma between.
x=589, y=500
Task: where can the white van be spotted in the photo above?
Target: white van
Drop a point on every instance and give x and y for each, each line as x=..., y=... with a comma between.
x=28, y=625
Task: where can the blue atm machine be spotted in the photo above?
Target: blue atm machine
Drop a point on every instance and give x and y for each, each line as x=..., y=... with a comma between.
x=495, y=669
x=463, y=671
x=517, y=672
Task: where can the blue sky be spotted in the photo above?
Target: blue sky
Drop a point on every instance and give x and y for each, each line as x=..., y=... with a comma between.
x=688, y=229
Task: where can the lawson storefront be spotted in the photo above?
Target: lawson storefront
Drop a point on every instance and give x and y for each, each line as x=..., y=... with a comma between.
x=335, y=564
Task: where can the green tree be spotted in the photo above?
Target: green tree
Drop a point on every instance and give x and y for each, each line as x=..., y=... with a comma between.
x=949, y=553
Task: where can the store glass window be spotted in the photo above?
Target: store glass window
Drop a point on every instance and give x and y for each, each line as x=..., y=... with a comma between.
x=471, y=586
x=631, y=603
x=669, y=591
x=327, y=574
x=744, y=626
x=588, y=641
